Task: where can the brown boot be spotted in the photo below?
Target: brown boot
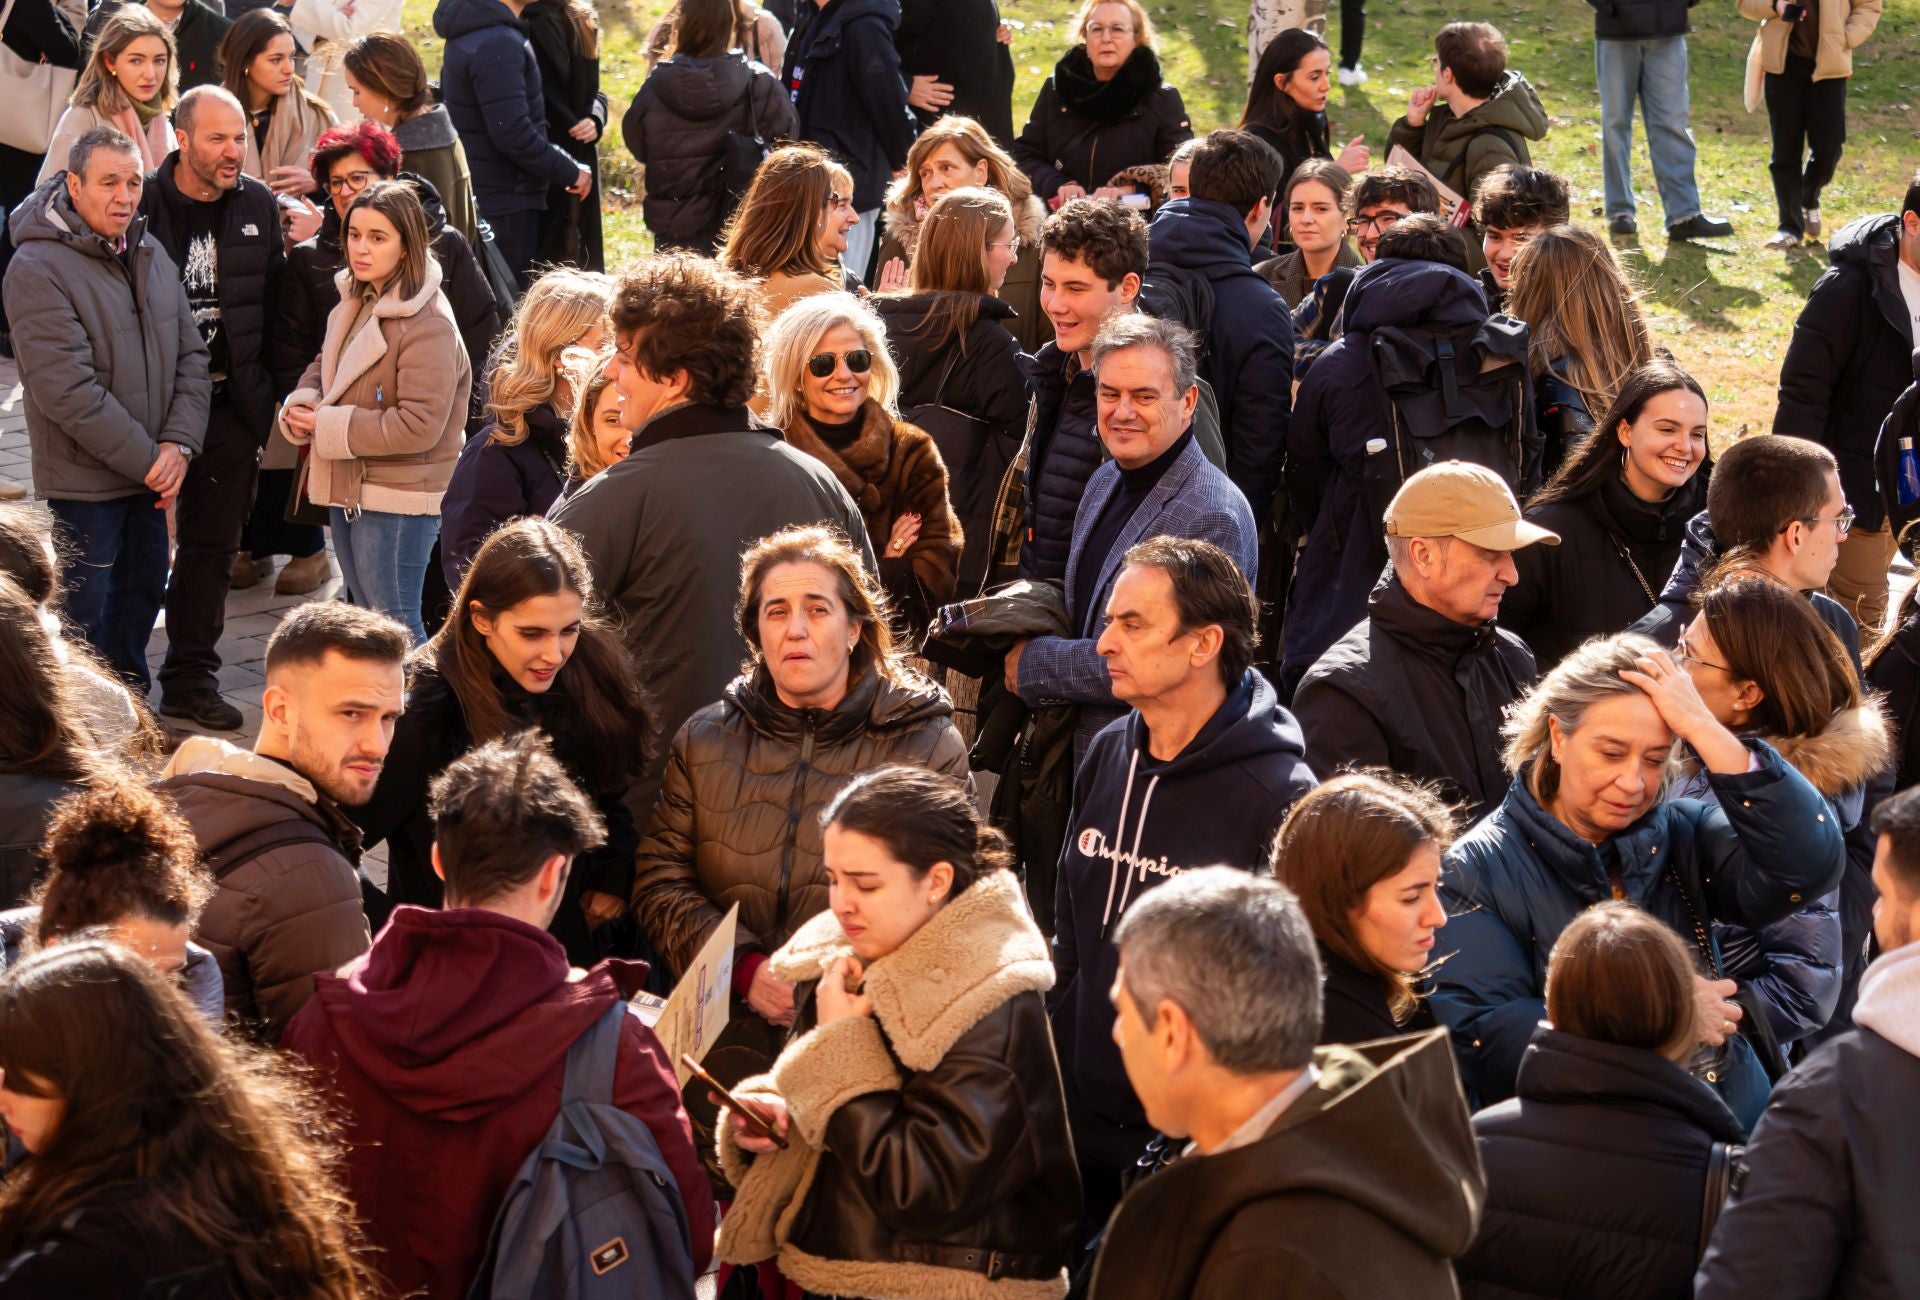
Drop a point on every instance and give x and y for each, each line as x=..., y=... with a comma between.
x=303, y=575
x=248, y=572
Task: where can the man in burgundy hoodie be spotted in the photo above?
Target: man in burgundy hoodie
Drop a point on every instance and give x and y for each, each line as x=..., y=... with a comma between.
x=447, y=1041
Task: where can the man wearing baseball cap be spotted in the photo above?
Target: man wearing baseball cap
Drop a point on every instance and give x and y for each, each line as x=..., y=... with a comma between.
x=1421, y=686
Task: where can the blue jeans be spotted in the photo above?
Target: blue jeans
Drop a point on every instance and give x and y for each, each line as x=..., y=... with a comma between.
x=383, y=558
x=116, y=576
x=1654, y=73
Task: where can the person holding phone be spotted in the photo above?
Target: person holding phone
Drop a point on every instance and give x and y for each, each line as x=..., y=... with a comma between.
x=1806, y=54
x=284, y=120
x=920, y=1101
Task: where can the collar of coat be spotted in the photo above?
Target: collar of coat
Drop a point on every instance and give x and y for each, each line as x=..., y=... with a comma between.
x=341, y=366
x=692, y=420
x=1081, y=91
x=863, y=464
x=978, y=951
x=1853, y=746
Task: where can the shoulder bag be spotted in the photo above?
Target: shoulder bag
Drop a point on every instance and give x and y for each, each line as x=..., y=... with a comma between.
x=35, y=94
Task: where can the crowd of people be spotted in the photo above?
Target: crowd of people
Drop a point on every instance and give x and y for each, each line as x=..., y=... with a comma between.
x=1248, y=737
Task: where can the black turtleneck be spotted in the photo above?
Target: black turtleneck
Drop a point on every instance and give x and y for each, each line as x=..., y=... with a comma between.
x=838, y=436
x=1135, y=486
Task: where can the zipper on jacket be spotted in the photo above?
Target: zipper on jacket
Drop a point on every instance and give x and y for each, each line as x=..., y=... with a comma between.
x=796, y=804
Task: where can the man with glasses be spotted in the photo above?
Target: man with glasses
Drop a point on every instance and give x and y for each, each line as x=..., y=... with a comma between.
x=1379, y=199
x=222, y=229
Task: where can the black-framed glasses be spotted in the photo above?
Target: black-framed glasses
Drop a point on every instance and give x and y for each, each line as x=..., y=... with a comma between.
x=352, y=182
x=822, y=364
x=1842, y=522
x=1379, y=221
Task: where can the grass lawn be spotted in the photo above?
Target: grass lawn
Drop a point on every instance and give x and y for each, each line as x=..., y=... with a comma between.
x=1724, y=309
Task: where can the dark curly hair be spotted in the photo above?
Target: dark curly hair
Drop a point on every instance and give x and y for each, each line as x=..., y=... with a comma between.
x=115, y=851
x=679, y=312
x=1107, y=237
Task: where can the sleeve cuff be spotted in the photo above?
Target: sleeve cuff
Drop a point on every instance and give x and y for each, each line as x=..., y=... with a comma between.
x=746, y=965
x=330, y=433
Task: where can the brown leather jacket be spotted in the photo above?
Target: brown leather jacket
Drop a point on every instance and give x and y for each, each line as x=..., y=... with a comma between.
x=929, y=1152
x=738, y=820
x=284, y=916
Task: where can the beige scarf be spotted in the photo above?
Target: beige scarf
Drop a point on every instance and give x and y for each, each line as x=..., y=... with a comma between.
x=296, y=123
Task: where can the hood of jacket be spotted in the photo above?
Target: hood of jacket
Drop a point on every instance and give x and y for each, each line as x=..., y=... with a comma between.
x=835, y=18
x=1197, y=233
x=1563, y=1067
x=456, y=18
x=1889, y=1002
x=977, y=951
x=1697, y=550
x=1853, y=746
x=699, y=90
x=1395, y=291
x=228, y=792
x=1384, y=1127
x=405, y=1013
x=1872, y=242
x=1081, y=92
x=1514, y=106
x=903, y=220
x=872, y=702
x=48, y=213
x=431, y=128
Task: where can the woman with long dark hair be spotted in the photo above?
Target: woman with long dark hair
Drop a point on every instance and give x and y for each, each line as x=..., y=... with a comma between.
x=284, y=119
x=1362, y=852
x=791, y=228
x=1287, y=105
x=1313, y=204
x=166, y=1159
x=389, y=85
x=566, y=44
x=524, y=646
x=1621, y=507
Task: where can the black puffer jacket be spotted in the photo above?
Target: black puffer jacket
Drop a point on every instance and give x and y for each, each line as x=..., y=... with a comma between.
x=677, y=127
x=1614, y=556
x=309, y=294
x=250, y=257
x=1085, y=130
x=929, y=1144
x=984, y=378
x=1850, y=357
x=845, y=75
x=1412, y=690
x=957, y=41
x=1596, y=1176
x=1066, y=451
x=493, y=482
x=1895, y=673
x=1640, y=20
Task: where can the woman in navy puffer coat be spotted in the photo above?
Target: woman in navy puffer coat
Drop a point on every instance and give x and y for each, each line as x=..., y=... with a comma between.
x=1587, y=819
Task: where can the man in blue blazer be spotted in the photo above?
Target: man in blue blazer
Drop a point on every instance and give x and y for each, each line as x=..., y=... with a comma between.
x=1158, y=484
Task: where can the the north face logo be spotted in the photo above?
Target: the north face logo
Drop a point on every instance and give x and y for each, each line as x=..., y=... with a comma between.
x=609, y=1257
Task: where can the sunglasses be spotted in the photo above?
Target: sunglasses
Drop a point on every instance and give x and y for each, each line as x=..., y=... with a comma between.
x=822, y=364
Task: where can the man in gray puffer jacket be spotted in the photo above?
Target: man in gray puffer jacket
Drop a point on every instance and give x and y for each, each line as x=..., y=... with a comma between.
x=116, y=386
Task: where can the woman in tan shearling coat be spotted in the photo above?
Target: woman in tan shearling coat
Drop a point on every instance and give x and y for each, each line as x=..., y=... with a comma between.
x=380, y=412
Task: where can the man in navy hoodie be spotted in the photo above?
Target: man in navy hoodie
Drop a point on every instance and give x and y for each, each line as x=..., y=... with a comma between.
x=1202, y=773
x=1248, y=345
x=492, y=86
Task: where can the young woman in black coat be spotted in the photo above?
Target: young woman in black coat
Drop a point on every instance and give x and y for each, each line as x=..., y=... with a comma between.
x=1362, y=851
x=1597, y=1170
x=1103, y=110
x=566, y=44
x=959, y=368
x=524, y=646
x=1287, y=108
x=1621, y=507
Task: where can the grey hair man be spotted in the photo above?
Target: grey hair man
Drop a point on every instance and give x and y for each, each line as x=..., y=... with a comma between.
x=1304, y=1163
x=1158, y=483
x=115, y=374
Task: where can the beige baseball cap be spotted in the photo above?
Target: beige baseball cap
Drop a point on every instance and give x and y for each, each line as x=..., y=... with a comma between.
x=1457, y=498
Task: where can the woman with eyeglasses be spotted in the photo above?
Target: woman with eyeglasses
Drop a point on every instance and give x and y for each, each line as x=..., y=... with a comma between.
x=791, y=228
x=346, y=159
x=833, y=392
x=961, y=376
x=1103, y=110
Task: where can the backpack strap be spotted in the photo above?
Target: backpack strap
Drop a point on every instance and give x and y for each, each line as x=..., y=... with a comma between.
x=592, y=1060
x=234, y=854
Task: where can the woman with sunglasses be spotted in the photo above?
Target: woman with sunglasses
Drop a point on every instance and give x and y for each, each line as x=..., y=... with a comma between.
x=833, y=392
x=345, y=161
x=961, y=377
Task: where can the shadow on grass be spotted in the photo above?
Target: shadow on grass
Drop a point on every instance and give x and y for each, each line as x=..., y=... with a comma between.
x=1681, y=277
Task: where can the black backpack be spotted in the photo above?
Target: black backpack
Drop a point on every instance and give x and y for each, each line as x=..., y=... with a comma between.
x=1457, y=392
x=741, y=153
x=1177, y=293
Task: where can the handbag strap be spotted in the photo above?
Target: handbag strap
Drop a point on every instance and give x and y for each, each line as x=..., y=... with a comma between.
x=1720, y=1161
x=1700, y=935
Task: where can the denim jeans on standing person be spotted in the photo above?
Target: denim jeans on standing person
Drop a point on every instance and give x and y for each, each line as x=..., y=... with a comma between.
x=1653, y=74
x=116, y=576
x=383, y=558
x=1809, y=123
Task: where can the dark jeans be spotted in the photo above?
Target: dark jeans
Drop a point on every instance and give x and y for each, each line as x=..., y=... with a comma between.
x=214, y=504
x=116, y=575
x=517, y=235
x=1809, y=123
x=268, y=532
x=1353, y=31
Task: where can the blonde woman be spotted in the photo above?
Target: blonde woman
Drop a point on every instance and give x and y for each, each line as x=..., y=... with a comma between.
x=1587, y=331
x=832, y=391
x=946, y=336
x=518, y=463
x=596, y=439
x=130, y=83
x=1104, y=109
x=384, y=405
x=952, y=153
x=284, y=121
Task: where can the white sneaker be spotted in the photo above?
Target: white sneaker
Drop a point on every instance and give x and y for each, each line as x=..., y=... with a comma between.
x=1810, y=217
x=1783, y=239
x=1354, y=76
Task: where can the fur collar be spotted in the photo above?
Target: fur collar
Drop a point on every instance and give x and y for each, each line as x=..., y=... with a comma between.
x=979, y=950
x=903, y=222
x=862, y=466
x=1852, y=747
x=1082, y=92
x=343, y=362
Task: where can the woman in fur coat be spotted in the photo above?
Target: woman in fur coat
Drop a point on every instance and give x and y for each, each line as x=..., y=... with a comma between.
x=924, y=1125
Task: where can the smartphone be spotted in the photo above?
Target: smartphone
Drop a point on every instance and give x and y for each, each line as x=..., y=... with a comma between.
x=289, y=203
x=753, y=1117
x=1795, y=13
